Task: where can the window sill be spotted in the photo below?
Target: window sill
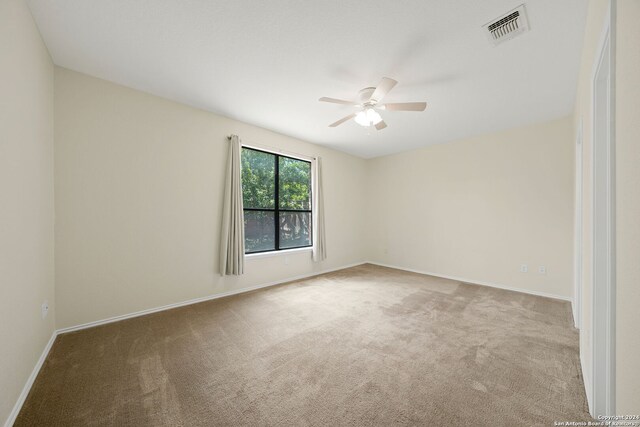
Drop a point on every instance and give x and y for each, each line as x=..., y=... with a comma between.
x=277, y=253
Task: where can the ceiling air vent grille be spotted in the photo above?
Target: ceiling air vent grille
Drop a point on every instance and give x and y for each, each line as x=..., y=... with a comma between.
x=508, y=26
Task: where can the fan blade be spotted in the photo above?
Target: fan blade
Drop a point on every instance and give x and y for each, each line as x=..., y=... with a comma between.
x=405, y=106
x=381, y=125
x=336, y=101
x=382, y=89
x=342, y=120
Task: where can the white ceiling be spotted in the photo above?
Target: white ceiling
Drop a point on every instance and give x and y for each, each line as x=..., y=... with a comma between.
x=268, y=62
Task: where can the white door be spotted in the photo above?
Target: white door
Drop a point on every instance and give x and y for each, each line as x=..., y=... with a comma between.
x=603, y=285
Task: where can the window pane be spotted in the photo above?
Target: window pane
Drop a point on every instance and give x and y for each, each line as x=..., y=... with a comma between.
x=258, y=179
x=295, y=184
x=295, y=229
x=259, y=232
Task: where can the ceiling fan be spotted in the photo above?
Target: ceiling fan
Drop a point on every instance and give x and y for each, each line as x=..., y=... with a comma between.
x=370, y=98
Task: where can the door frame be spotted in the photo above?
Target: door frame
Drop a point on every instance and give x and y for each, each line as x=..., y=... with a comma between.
x=603, y=309
x=578, y=250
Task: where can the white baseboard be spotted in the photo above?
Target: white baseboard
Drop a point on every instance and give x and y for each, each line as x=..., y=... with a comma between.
x=475, y=282
x=201, y=299
x=27, y=387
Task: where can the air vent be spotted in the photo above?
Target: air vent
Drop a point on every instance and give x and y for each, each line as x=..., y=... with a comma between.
x=507, y=26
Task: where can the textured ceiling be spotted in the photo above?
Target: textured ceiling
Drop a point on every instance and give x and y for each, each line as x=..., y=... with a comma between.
x=268, y=62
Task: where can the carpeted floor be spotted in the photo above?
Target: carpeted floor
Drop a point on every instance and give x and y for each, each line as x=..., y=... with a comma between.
x=365, y=346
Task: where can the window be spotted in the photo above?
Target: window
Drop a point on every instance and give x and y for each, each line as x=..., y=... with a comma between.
x=276, y=193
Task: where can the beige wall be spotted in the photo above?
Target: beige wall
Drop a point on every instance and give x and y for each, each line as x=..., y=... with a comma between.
x=26, y=207
x=479, y=208
x=628, y=207
x=139, y=183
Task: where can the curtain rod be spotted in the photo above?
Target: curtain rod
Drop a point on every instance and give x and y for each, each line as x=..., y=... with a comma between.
x=276, y=150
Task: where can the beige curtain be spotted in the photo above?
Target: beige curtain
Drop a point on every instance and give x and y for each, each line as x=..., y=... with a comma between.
x=232, y=236
x=319, y=239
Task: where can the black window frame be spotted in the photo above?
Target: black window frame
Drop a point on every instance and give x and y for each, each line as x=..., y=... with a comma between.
x=276, y=202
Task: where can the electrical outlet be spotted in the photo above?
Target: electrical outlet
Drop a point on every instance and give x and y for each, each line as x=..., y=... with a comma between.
x=286, y=259
x=542, y=269
x=45, y=309
x=524, y=268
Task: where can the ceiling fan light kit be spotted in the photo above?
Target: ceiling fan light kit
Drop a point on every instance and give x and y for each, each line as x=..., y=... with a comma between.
x=368, y=117
x=370, y=98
